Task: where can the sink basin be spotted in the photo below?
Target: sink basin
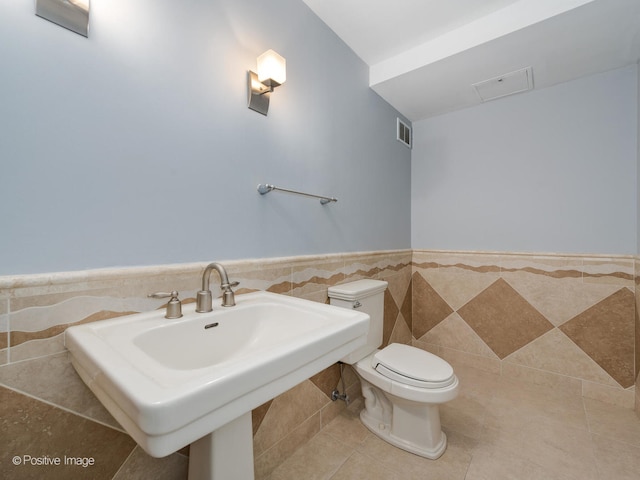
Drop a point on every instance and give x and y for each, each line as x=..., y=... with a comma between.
x=172, y=382
x=227, y=335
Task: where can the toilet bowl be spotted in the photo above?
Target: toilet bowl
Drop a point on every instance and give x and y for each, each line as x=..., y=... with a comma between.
x=402, y=386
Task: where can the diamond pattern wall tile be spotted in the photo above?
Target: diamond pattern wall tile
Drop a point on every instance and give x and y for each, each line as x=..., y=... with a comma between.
x=555, y=352
x=504, y=319
x=401, y=333
x=605, y=332
x=327, y=379
x=558, y=299
x=398, y=284
x=407, y=307
x=258, y=414
x=390, y=316
x=429, y=309
x=454, y=332
x=458, y=284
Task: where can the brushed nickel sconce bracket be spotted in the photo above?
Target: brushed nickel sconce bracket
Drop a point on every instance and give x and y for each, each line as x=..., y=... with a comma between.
x=70, y=14
x=259, y=93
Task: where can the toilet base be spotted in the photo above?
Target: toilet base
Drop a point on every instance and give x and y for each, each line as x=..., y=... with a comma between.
x=384, y=431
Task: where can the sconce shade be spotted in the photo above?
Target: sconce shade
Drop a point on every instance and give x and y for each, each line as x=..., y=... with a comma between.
x=272, y=66
x=272, y=72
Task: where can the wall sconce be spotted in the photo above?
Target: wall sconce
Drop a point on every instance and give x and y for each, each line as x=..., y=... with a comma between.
x=272, y=72
x=70, y=14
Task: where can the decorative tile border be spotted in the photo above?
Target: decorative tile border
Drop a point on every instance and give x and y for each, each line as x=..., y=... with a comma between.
x=43, y=306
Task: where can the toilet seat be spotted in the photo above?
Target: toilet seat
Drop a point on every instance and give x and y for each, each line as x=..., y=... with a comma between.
x=412, y=366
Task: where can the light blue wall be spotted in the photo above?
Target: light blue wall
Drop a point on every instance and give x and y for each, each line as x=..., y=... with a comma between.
x=552, y=170
x=136, y=147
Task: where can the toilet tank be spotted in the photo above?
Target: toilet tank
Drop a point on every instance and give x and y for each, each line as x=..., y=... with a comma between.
x=366, y=296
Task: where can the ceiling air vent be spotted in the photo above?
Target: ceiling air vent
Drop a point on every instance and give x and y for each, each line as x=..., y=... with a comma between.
x=403, y=133
x=507, y=84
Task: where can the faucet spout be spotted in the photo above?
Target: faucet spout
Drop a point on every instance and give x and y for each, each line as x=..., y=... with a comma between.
x=204, y=299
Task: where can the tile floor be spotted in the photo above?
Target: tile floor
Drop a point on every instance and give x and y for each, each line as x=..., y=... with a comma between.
x=497, y=429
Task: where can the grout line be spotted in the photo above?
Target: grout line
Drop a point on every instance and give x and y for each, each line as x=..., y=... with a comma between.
x=337, y=469
x=64, y=409
x=283, y=439
x=586, y=416
x=591, y=442
x=23, y=360
x=115, y=475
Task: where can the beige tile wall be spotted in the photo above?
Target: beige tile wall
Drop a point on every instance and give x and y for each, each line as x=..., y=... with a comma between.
x=4, y=329
x=637, y=335
x=566, y=321
x=35, y=310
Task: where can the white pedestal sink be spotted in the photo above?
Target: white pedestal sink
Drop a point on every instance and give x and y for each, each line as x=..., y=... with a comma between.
x=195, y=380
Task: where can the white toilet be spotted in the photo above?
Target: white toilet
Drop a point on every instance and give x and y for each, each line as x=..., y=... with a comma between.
x=402, y=385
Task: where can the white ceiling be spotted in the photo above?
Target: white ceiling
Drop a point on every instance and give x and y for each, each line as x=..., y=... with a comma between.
x=424, y=55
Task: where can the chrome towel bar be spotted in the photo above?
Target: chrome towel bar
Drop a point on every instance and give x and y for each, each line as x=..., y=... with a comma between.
x=264, y=188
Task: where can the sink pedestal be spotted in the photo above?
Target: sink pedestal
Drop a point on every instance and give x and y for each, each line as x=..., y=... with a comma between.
x=225, y=454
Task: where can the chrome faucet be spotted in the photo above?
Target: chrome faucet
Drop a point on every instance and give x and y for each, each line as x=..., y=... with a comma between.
x=203, y=298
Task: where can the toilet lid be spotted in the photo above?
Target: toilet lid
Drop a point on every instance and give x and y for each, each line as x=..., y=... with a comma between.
x=412, y=366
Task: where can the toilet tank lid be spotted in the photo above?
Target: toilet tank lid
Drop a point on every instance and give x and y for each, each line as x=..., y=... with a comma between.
x=358, y=289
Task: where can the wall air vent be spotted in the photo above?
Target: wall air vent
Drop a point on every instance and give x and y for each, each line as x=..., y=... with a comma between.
x=403, y=133
x=507, y=84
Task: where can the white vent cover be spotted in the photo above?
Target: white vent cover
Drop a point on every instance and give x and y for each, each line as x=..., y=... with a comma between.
x=403, y=133
x=507, y=84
